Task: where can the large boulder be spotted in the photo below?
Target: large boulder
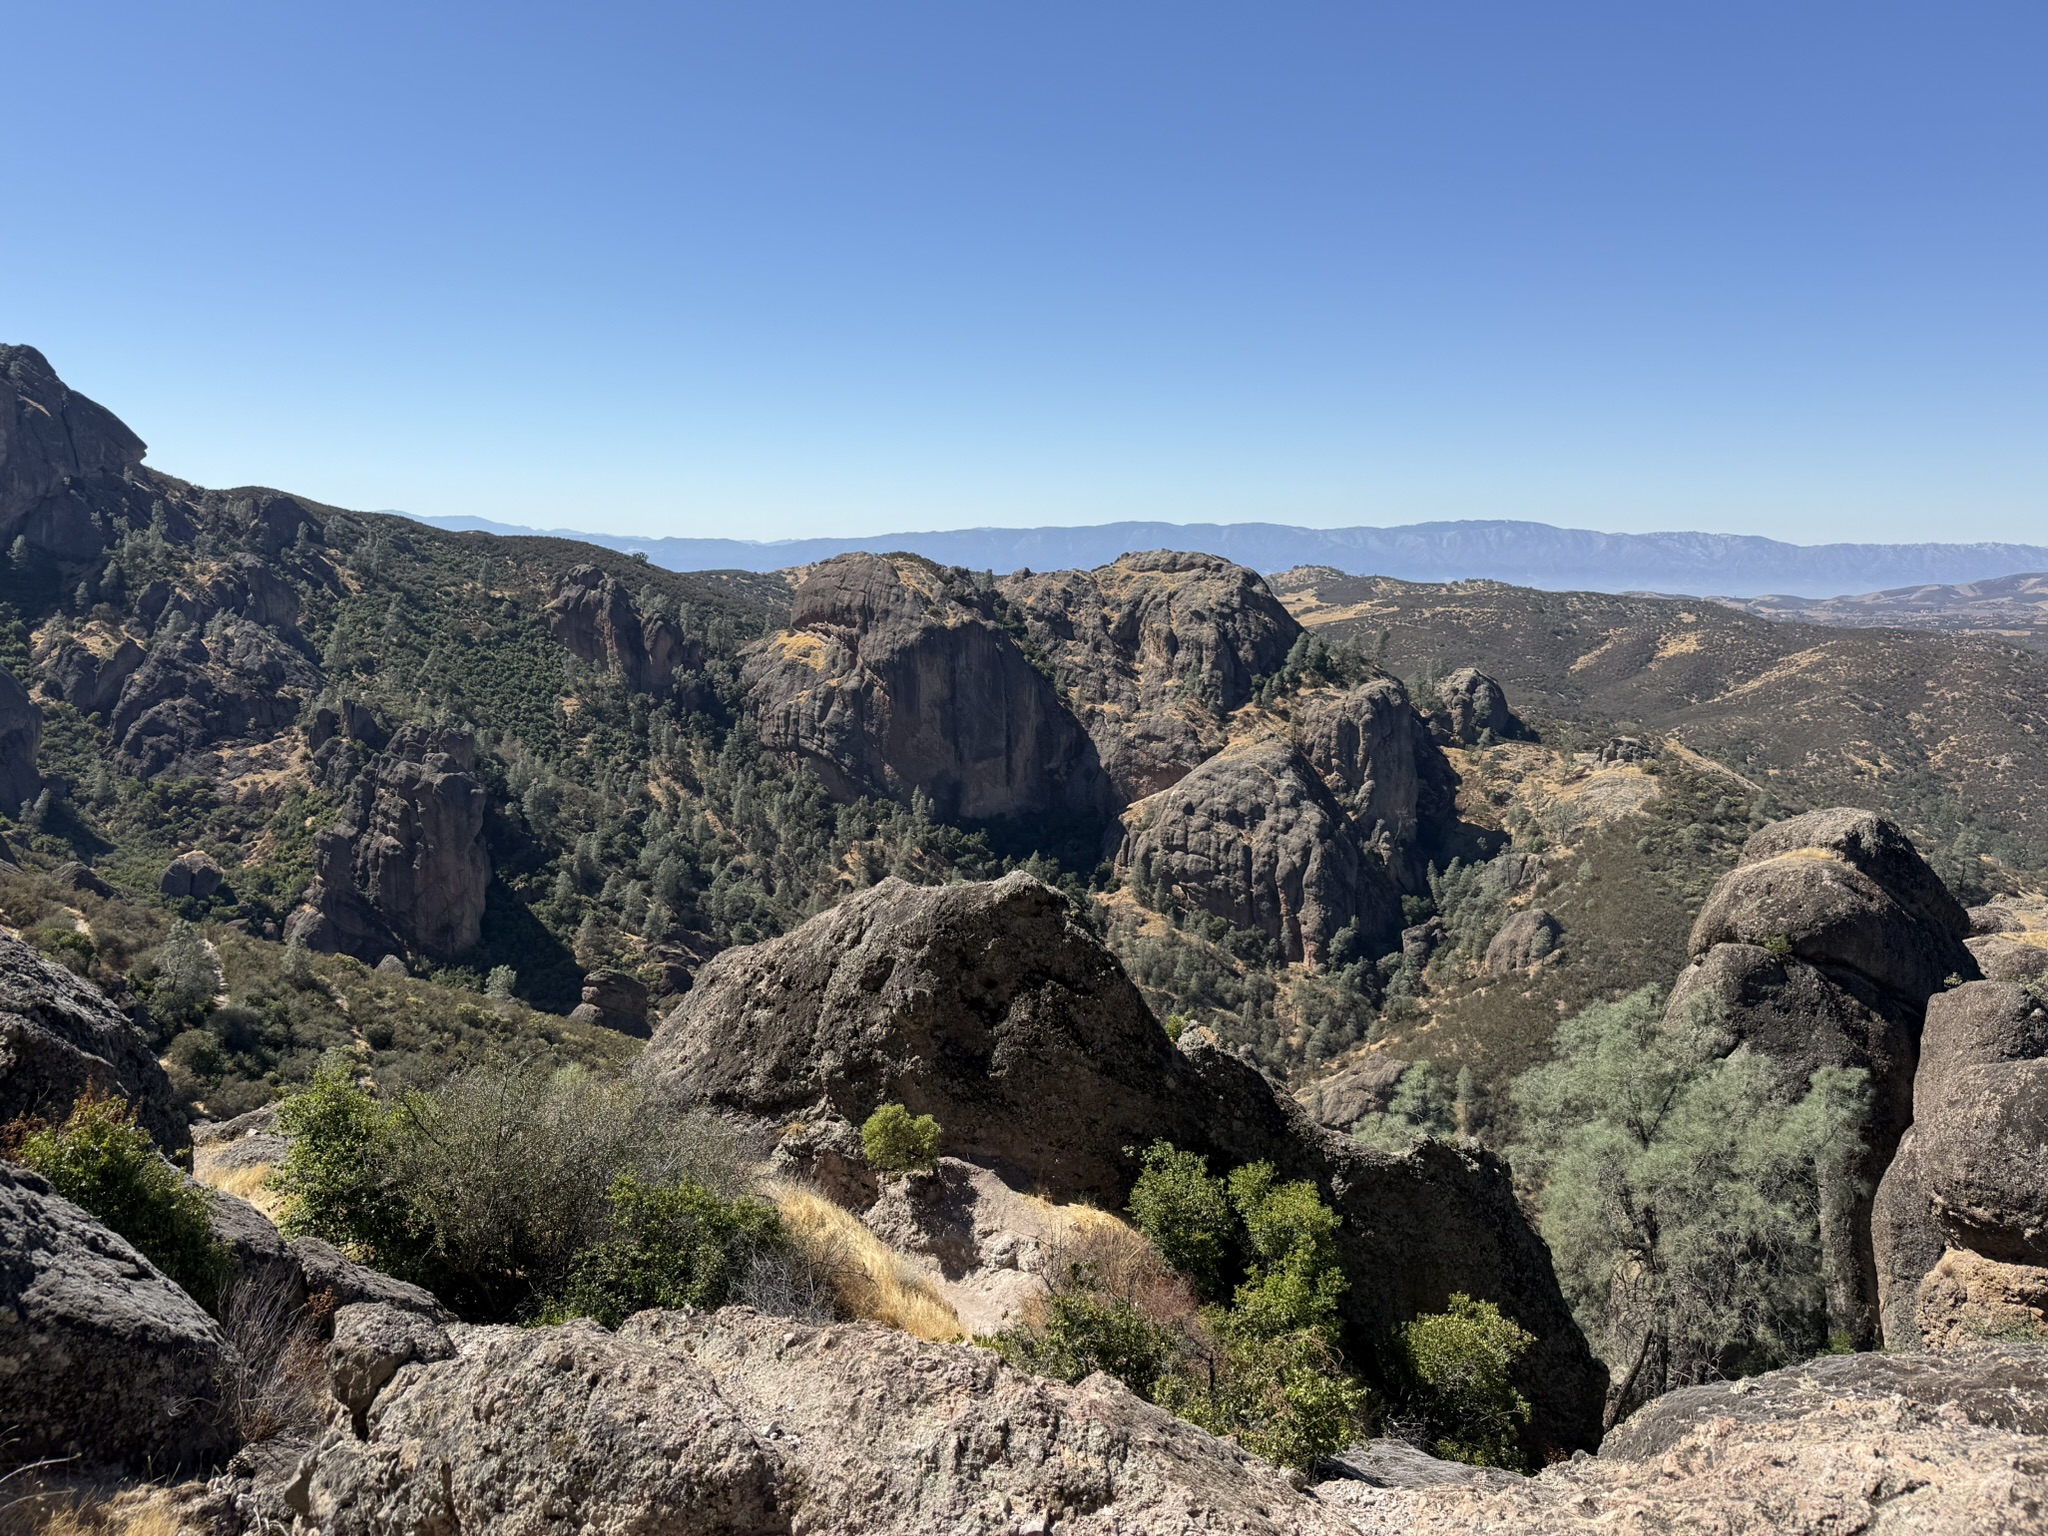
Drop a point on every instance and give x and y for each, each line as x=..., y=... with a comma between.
x=1981, y=1102
x=59, y=1034
x=193, y=873
x=595, y=617
x=741, y=1423
x=89, y=670
x=1821, y=948
x=614, y=1000
x=21, y=735
x=1254, y=836
x=1473, y=709
x=994, y=1009
x=406, y=868
x=897, y=676
x=103, y=1361
x=57, y=449
x=1155, y=650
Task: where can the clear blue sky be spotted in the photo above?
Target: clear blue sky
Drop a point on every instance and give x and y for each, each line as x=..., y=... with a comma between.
x=771, y=269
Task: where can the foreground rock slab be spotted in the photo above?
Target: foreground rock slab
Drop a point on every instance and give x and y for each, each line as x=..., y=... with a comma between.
x=738, y=1422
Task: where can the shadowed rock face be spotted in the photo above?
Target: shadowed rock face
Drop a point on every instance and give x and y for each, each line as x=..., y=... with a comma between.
x=992, y=1008
x=895, y=677
x=193, y=691
x=1821, y=948
x=59, y=1033
x=1376, y=755
x=595, y=617
x=21, y=735
x=1906, y=1243
x=1155, y=650
x=1255, y=837
x=407, y=868
x=104, y=1359
x=57, y=449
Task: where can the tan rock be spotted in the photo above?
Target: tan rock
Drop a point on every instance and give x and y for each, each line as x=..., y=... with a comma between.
x=1968, y=1299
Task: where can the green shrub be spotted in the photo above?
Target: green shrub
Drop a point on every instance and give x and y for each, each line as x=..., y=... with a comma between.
x=1293, y=1279
x=1462, y=1364
x=896, y=1141
x=186, y=976
x=671, y=1245
x=101, y=1160
x=1084, y=1331
x=336, y=1176
x=1187, y=1214
x=1287, y=1398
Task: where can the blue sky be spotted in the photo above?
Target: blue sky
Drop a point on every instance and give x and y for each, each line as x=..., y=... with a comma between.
x=778, y=269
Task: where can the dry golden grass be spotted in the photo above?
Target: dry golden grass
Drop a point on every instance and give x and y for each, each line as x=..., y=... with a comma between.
x=250, y=1181
x=55, y=1509
x=870, y=1279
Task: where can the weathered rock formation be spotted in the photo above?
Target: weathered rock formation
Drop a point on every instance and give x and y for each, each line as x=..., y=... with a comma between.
x=1346, y=1097
x=59, y=454
x=896, y=676
x=1905, y=1242
x=1473, y=708
x=1882, y=1444
x=1375, y=754
x=406, y=869
x=595, y=617
x=59, y=1033
x=21, y=734
x=1821, y=948
x=1523, y=940
x=742, y=1423
x=1966, y=1299
x=193, y=873
x=1981, y=1120
x=614, y=1000
x=994, y=1009
x=89, y=669
x=1155, y=650
x=1254, y=836
x=101, y=1358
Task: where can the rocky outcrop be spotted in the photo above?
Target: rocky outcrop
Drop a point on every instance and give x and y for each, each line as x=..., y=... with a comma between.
x=1155, y=650
x=89, y=670
x=595, y=617
x=896, y=676
x=59, y=1034
x=1871, y=1443
x=1522, y=942
x=1254, y=836
x=1981, y=1107
x=1821, y=948
x=21, y=735
x=57, y=450
x=102, y=1358
x=193, y=873
x=406, y=869
x=372, y=1343
x=614, y=1000
x=1472, y=708
x=994, y=1009
x=196, y=690
x=1375, y=754
x=742, y=1423
x=2018, y=956
x=1348, y=1095
x=1966, y=1299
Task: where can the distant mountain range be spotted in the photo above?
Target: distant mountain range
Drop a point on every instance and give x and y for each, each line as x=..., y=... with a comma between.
x=1527, y=554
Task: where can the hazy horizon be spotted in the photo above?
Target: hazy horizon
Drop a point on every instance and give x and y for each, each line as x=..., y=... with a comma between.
x=805, y=271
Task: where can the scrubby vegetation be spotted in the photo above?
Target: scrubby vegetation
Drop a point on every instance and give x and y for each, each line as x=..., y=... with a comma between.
x=1679, y=1188
x=896, y=1141
x=101, y=1160
x=1460, y=1363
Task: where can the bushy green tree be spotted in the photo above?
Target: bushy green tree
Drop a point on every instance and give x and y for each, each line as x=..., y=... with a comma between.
x=670, y=1245
x=1085, y=1331
x=1679, y=1185
x=338, y=1176
x=1293, y=1279
x=187, y=976
x=897, y=1141
x=1187, y=1213
x=101, y=1160
x=1424, y=1104
x=1461, y=1362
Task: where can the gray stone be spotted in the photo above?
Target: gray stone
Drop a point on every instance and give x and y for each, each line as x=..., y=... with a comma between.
x=193, y=874
x=1907, y=1244
x=102, y=1359
x=372, y=1341
x=1981, y=1106
x=59, y=1033
x=1523, y=940
x=21, y=734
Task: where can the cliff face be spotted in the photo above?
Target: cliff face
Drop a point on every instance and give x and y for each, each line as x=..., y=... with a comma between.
x=1156, y=650
x=59, y=452
x=896, y=676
